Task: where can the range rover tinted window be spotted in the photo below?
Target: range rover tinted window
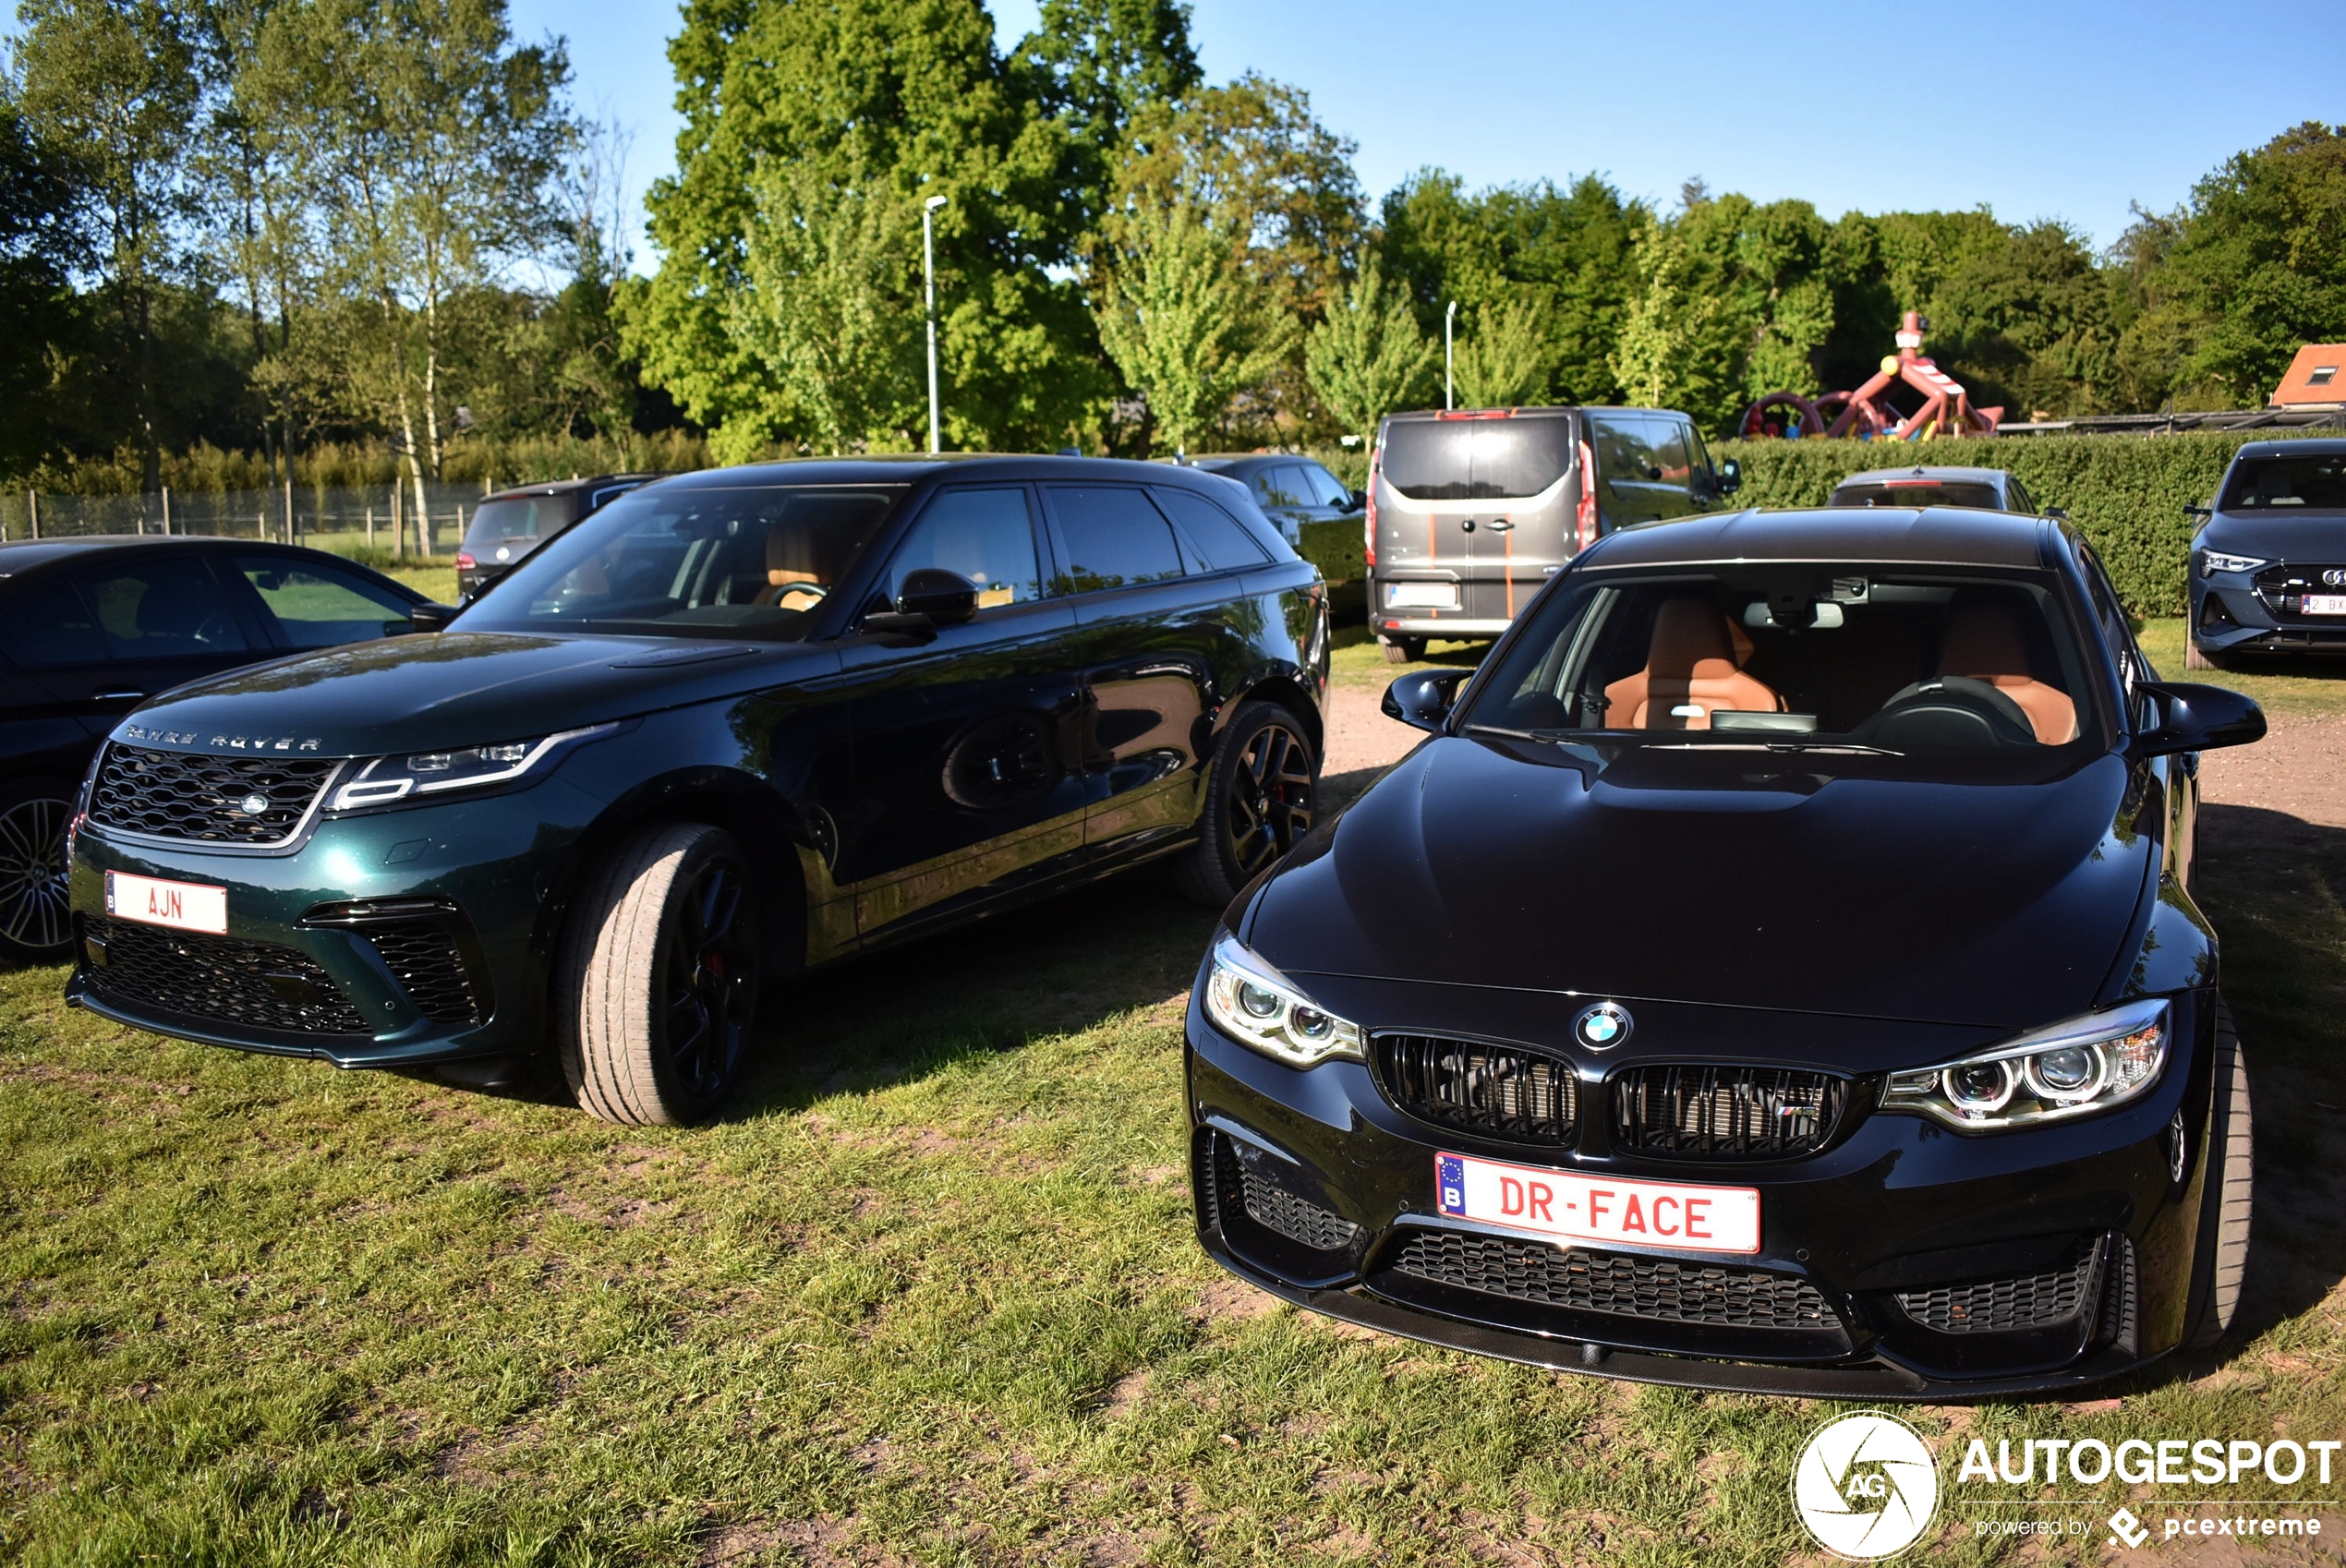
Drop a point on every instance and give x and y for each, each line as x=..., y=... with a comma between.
x=1220, y=540
x=986, y=536
x=1476, y=459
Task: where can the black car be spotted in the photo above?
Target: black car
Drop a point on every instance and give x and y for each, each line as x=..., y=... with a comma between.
x=735, y=724
x=507, y=525
x=1291, y=490
x=2269, y=566
x=1993, y=490
x=1778, y=972
x=90, y=627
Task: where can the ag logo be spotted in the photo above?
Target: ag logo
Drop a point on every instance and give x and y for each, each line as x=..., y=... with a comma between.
x=1603, y=1026
x=1866, y=1486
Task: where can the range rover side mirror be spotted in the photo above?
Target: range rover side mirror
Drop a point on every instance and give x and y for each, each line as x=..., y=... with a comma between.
x=927, y=600
x=432, y=617
x=1422, y=699
x=1730, y=477
x=2197, y=718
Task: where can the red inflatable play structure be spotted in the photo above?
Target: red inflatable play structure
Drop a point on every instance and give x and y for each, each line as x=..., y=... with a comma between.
x=1946, y=408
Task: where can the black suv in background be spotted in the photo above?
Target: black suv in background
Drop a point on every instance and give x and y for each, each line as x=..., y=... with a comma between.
x=510, y=524
x=2269, y=566
x=1469, y=511
x=737, y=723
x=1291, y=490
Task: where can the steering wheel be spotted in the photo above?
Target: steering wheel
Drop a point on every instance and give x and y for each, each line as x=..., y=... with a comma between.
x=1948, y=710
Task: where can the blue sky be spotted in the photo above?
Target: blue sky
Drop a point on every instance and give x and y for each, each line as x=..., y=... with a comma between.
x=2058, y=109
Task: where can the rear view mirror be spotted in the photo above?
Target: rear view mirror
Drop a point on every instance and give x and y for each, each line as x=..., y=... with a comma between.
x=2197, y=718
x=1422, y=699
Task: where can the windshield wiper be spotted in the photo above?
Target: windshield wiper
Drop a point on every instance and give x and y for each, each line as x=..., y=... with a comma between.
x=1844, y=748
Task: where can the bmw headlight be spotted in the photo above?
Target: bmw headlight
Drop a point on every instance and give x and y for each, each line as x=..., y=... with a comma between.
x=1257, y=1006
x=382, y=781
x=2212, y=562
x=2068, y=1069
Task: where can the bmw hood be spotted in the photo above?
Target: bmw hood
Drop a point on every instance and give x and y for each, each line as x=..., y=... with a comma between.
x=1705, y=879
x=455, y=688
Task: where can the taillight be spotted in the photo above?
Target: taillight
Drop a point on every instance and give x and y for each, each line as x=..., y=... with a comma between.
x=465, y=562
x=1368, y=515
x=1585, y=518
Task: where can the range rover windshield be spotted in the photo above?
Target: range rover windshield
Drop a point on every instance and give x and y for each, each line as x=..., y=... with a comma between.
x=1857, y=659
x=694, y=562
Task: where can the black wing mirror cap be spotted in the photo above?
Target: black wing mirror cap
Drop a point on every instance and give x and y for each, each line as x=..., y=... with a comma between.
x=1730, y=477
x=2198, y=718
x=2190, y=511
x=1422, y=699
x=2058, y=513
x=432, y=617
x=928, y=598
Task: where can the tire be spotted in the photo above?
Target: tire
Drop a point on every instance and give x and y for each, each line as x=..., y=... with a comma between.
x=1261, y=796
x=658, y=977
x=2195, y=658
x=36, y=921
x=1402, y=650
x=2221, y=1261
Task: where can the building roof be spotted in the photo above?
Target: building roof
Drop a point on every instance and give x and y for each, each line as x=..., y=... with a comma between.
x=2315, y=379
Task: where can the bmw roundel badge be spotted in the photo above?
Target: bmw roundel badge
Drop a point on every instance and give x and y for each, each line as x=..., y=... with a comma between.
x=1603, y=1026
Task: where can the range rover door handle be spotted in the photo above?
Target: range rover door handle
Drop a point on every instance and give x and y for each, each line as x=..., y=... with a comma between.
x=116, y=696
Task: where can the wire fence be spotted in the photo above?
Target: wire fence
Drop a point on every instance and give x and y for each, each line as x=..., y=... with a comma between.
x=377, y=519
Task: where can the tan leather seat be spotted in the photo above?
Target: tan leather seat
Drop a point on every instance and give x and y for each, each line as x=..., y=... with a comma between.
x=1693, y=666
x=1987, y=641
x=785, y=570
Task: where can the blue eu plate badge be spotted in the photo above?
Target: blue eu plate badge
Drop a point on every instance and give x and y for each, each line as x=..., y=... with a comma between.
x=1450, y=1177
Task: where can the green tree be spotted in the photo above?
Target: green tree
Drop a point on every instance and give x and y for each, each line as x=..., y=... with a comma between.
x=40, y=240
x=1369, y=356
x=1502, y=356
x=1183, y=323
x=115, y=81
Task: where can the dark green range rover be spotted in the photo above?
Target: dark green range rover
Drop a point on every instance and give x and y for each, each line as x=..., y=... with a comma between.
x=736, y=724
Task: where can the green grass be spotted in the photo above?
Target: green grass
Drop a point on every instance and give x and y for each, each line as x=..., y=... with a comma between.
x=930, y=1297
x=2305, y=687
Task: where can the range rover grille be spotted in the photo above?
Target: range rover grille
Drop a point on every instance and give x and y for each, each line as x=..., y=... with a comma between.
x=1497, y=1091
x=206, y=799
x=1713, y=1112
x=1603, y=1282
x=253, y=983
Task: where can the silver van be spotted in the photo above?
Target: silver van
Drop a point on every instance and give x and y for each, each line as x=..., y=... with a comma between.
x=1471, y=511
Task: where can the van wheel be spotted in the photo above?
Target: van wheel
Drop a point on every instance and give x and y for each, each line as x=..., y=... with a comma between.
x=2195, y=658
x=1261, y=796
x=2221, y=1262
x=1402, y=650
x=658, y=977
x=36, y=923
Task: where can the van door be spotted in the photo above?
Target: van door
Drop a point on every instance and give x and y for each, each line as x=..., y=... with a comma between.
x=1473, y=515
x=1628, y=471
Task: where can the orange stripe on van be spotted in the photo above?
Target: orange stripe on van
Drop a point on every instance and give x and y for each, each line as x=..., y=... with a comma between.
x=1508, y=539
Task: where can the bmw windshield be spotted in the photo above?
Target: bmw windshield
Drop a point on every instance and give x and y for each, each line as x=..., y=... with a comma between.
x=1934, y=665
x=694, y=561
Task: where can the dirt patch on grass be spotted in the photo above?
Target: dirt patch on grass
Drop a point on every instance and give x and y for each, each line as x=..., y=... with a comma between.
x=1233, y=1301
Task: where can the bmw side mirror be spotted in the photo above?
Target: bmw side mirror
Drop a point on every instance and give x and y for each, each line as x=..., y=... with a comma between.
x=1422, y=699
x=928, y=598
x=432, y=617
x=2198, y=718
x=1730, y=477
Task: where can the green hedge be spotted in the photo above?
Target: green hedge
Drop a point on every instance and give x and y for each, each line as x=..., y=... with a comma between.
x=1337, y=549
x=2127, y=493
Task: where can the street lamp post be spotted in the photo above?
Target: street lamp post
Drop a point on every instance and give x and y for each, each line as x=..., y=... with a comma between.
x=1449, y=398
x=928, y=284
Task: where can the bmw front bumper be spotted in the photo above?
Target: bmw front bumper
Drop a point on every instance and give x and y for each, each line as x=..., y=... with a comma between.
x=1901, y=1236
x=406, y=936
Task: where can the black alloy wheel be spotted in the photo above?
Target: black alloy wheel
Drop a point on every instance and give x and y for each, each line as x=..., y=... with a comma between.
x=1262, y=798
x=711, y=980
x=36, y=920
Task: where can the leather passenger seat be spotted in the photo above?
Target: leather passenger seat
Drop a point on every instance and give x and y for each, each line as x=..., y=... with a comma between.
x=1987, y=641
x=1693, y=666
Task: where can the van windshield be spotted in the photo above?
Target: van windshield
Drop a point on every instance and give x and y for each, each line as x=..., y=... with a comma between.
x=1854, y=657
x=693, y=562
x=1487, y=458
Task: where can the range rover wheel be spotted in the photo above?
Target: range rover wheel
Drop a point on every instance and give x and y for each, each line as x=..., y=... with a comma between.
x=1402, y=650
x=658, y=977
x=35, y=924
x=2222, y=1261
x=1262, y=794
x=2195, y=658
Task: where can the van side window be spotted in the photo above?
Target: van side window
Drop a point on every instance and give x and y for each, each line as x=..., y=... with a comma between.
x=1705, y=471
x=1623, y=456
x=1668, y=437
x=1113, y=536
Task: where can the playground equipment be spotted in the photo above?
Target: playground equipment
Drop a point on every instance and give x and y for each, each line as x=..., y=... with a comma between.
x=1867, y=414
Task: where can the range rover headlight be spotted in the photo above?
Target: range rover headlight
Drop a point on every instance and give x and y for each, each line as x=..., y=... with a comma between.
x=2068, y=1069
x=2213, y=560
x=382, y=780
x=1257, y=1006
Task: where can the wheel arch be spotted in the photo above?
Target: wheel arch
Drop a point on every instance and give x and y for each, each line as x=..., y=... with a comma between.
x=1288, y=691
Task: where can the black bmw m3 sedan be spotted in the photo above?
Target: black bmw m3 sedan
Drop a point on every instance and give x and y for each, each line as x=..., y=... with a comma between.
x=1778, y=971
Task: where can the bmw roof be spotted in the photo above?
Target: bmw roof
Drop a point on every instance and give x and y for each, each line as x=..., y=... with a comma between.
x=1942, y=535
